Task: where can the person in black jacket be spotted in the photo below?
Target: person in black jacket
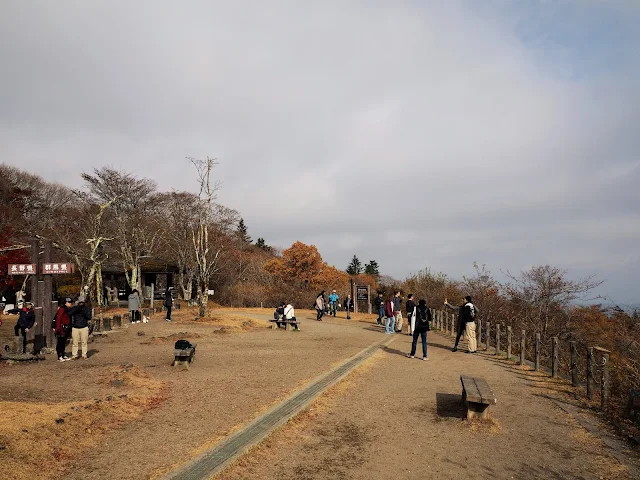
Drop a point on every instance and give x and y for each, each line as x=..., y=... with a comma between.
x=168, y=303
x=379, y=302
x=466, y=323
x=423, y=319
x=80, y=314
x=348, y=305
x=26, y=321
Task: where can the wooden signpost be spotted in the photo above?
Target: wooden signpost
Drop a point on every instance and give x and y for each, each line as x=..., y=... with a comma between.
x=42, y=290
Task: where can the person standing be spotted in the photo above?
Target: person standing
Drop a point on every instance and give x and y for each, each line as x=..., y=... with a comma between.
x=333, y=303
x=26, y=321
x=61, y=325
x=411, y=314
x=168, y=303
x=467, y=313
x=348, y=305
x=423, y=319
x=397, y=311
x=80, y=314
x=379, y=302
x=134, y=306
x=390, y=314
x=320, y=305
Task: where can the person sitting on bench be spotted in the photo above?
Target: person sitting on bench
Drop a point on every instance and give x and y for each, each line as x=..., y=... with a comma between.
x=289, y=313
x=279, y=313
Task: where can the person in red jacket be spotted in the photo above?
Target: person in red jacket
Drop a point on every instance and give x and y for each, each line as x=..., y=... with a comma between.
x=61, y=325
x=391, y=317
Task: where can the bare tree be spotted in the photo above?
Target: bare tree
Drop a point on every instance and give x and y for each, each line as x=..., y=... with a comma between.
x=133, y=204
x=207, y=256
x=542, y=296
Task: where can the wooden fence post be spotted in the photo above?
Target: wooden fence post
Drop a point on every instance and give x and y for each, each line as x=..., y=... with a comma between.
x=453, y=325
x=604, y=398
x=523, y=348
x=96, y=325
x=488, y=334
x=106, y=324
x=479, y=339
x=117, y=320
x=508, y=343
x=574, y=364
x=497, y=339
x=537, y=357
x=554, y=357
x=590, y=368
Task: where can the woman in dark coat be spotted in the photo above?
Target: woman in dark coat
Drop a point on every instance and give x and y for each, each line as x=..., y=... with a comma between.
x=423, y=318
x=168, y=303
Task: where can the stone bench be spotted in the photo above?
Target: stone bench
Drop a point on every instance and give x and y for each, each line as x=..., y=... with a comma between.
x=184, y=357
x=477, y=397
x=288, y=324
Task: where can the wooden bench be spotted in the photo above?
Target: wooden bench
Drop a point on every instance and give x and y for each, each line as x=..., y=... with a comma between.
x=476, y=396
x=184, y=357
x=287, y=323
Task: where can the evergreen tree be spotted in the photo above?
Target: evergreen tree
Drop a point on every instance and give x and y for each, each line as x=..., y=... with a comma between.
x=242, y=232
x=355, y=267
x=260, y=243
x=372, y=268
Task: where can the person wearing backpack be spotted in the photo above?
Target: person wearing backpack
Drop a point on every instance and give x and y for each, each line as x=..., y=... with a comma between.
x=61, y=325
x=80, y=315
x=168, y=303
x=467, y=313
x=422, y=326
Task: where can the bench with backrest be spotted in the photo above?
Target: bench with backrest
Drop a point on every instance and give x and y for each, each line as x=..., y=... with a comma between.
x=477, y=397
x=184, y=356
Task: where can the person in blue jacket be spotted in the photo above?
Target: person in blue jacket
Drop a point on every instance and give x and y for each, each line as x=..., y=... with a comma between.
x=333, y=303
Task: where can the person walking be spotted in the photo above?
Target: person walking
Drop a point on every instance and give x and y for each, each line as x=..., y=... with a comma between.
x=467, y=313
x=134, y=305
x=26, y=321
x=390, y=314
x=333, y=303
x=320, y=305
x=80, y=315
x=397, y=311
x=379, y=303
x=348, y=305
x=61, y=325
x=422, y=326
x=411, y=314
x=168, y=303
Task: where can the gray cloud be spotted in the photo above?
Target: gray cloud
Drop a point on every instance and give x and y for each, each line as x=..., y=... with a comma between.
x=416, y=135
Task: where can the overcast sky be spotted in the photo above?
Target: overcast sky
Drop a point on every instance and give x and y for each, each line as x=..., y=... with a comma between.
x=416, y=133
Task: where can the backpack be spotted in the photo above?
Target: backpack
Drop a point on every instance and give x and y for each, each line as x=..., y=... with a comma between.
x=182, y=345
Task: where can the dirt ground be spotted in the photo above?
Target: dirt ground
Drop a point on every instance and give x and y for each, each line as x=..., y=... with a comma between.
x=402, y=418
x=125, y=413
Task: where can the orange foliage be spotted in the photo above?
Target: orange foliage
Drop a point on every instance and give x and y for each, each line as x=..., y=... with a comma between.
x=299, y=261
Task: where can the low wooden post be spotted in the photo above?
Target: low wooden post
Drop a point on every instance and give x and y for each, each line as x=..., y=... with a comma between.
x=574, y=364
x=537, y=357
x=97, y=326
x=126, y=317
x=488, y=334
x=453, y=325
x=523, y=348
x=554, y=357
x=590, y=369
x=497, y=339
x=479, y=339
x=604, y=398
x=177, y=306
x=106, y=324
x=117, y=320
x=508, y=343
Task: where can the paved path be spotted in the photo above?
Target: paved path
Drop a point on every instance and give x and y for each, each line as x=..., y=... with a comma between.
x=219, y=457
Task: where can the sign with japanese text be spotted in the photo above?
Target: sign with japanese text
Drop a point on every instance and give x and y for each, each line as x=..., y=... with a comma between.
x=57, y=268
x=22, y=269
x=362, y=294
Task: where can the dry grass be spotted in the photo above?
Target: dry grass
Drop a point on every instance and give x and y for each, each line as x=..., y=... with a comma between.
x=40, y=439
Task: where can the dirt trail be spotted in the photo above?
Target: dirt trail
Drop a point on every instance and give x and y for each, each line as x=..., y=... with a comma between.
x=402, y=419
